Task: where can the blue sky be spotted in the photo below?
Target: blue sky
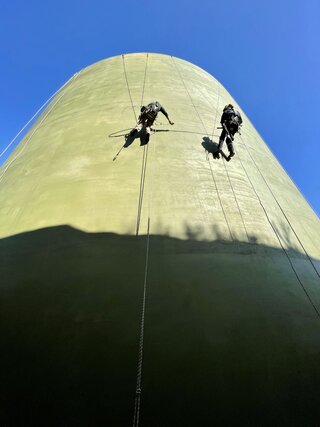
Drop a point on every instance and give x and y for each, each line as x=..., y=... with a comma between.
x=266, y=53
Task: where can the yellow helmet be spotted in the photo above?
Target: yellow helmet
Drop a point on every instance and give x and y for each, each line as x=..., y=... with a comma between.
x=227, y=107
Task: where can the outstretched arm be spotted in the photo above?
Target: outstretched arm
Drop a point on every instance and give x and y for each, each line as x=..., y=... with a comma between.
x=163, y=111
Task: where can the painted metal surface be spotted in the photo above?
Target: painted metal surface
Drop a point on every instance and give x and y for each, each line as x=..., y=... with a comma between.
x=229, y=254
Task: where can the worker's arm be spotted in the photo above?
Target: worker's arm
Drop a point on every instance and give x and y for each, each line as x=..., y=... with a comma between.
x=163, y=111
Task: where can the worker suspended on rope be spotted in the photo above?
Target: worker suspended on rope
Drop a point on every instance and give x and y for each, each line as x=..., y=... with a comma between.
x=231, y=121
x=146, y=120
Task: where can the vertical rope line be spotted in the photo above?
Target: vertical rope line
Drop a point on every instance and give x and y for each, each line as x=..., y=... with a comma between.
x=235, y=198
x=279, y=240
x=229, y=179
x=144, y=80
x=231, y=186
x=136, y=416
x=137, y=403
x=37, y=127
x=126, y=77
x=283, y=213
x=216, y=115
x=209, y=135
x=186, y=89
x=212, y=174
x=142, y=181
x=144, y=161
x=35, y=115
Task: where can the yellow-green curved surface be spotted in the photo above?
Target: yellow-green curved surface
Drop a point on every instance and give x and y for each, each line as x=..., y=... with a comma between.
x=227, y=254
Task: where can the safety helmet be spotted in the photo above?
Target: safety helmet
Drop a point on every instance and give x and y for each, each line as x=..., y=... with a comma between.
x=228, y=106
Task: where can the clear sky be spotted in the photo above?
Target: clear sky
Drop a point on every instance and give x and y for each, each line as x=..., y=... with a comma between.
x=266, y=54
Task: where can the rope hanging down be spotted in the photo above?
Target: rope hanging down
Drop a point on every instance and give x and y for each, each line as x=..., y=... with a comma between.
x=283, y=213
x=212, y=174
x=137, y=402
x=144, y=161
x=204, y=127
x=279, y=240
x=39, y=124
x=33, y=117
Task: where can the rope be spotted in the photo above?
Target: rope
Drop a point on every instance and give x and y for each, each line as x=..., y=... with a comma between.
x=144, y=80
x=137, y=402
x=229, y=179
x=181, y=131
x=227, y=173
x=141, y=190
x=36, y=128
x=136, y=417
x=236, y=200
x=113, y=135
x=190, y=96
x=35, y=115
x=279, y=240
x=216, y=187
x=126, y=77
x=212, y=174
x=280, y=207
x=144, y=162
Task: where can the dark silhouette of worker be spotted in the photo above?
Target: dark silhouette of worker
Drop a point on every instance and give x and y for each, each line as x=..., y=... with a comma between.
x=231, y=121
x=145, y=121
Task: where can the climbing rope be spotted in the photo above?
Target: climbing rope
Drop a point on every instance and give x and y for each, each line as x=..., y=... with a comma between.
x=137, y=401
x=144, y=161
x=231, y=186
x=141, y=189
x=279, y=240
x=144, y=80
x=33, y=117
x=115, y=134
x=283, y=213
x=126, y=77
x=206, y=133
x=212, y=174
x=38, y=125
x=136, y=416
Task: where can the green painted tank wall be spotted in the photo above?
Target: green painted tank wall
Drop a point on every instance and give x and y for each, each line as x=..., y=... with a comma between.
x=229, y=254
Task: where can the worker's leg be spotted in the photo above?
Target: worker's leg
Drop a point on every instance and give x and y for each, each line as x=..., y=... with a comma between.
x=144, y=135
x=230, y=147
x=221, y=139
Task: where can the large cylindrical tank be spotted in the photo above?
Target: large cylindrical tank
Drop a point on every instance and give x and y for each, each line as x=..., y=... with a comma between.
x=154, y=285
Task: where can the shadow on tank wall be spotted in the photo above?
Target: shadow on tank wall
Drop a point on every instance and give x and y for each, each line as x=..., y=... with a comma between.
x=230, y=337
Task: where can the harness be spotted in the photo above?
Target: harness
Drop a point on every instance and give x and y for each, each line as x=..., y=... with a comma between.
x=152, y=111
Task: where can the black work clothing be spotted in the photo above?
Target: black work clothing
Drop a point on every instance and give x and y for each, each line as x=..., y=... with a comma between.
x=231, y=119
x=150, y=113
x=228, y=140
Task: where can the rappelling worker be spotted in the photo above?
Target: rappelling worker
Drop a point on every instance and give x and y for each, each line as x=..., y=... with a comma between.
x=146, y=119
x=231, y=121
